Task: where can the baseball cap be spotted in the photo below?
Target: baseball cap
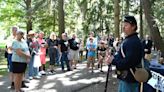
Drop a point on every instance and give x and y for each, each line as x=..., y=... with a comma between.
x=130, y=19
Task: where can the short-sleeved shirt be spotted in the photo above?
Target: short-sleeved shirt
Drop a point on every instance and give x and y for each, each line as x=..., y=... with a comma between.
x=64, y=45
x=51, y=43
x=94, y=41
x=91, y=53
x=73, y=44
x=9, y=43
x=42, y=42
x=19, y=45
x=33, y=46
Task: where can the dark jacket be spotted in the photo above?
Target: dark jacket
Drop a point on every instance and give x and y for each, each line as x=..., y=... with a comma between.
x=133, y=50
x=148, y=46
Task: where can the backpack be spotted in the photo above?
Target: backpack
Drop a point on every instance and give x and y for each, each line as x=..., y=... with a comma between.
x=6, y=53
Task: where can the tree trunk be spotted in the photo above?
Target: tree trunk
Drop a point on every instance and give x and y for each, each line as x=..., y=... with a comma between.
x=84, y=9
x=61, y=17
x=154, y=31
x=54, y=21
x=141, y=21
x=28, y=15
x=127, y=7
x=116, y=17
x=29, y=25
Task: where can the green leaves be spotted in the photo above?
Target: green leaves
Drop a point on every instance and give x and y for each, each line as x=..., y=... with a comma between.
x=81, y=16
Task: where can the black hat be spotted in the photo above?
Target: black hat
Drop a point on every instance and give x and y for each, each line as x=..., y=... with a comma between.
x=130, y=19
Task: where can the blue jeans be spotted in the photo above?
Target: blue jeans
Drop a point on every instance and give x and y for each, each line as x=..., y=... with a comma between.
x=57, y=57
x=64, y=58
x=31, y=70
x=128, y=87
x=9, y=60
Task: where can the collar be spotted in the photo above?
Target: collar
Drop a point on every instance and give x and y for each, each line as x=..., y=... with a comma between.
x=131, y=35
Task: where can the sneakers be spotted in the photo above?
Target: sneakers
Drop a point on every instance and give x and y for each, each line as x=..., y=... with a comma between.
x=42, y=72
x=69, y=69
x=51, y=72
x=37, y=77
x=30, y=78
x=98, y=65
x=101, y=71
x=39, y=74
x=12, y=85
x=23, y=85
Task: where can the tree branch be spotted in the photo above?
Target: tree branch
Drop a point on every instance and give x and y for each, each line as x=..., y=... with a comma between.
x=38, y=5
x=22, y=5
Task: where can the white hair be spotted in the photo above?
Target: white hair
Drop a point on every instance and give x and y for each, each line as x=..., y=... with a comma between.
x=52, y=34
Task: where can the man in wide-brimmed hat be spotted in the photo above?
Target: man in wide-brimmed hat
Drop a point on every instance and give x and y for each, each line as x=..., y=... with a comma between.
x=34, y=48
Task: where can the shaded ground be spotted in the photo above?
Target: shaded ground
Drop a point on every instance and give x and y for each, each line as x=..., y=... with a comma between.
x=79, y=80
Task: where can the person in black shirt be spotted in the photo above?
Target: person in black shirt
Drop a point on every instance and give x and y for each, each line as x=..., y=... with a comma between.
x=74, y=50
x=52, y=50
x=101, y=54
x=147, y=45
x=110, y=40
x=63, y=50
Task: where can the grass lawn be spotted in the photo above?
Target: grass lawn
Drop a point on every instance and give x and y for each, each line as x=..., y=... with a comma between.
x=3, y=72
x=3, y=63
x=2, y=45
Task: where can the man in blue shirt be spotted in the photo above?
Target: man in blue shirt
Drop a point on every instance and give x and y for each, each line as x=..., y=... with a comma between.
x=132, y=48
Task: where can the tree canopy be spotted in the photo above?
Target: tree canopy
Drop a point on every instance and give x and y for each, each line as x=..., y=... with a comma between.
x=79, y=16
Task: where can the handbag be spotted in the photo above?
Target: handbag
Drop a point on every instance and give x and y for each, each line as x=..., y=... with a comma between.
x=148, y=57
x=141, y=74
x=37, y=61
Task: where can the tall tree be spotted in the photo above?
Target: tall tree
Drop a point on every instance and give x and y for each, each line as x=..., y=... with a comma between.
x=154, y=31
x=61, y=17
x=28, y=15
x=141, y=20
x=117, y=17
x=127, y=7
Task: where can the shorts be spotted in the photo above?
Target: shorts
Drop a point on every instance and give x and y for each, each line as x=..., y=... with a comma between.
x=91, y=59
x=19, y=67
x=73, y=55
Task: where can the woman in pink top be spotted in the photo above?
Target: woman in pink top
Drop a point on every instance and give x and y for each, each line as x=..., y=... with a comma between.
x=43, y=46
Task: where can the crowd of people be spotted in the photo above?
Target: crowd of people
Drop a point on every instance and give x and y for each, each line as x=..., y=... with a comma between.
x=31, y=52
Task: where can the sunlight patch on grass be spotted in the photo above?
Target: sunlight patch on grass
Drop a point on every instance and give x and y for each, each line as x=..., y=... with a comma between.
x=3, y=71
x=2, y=45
